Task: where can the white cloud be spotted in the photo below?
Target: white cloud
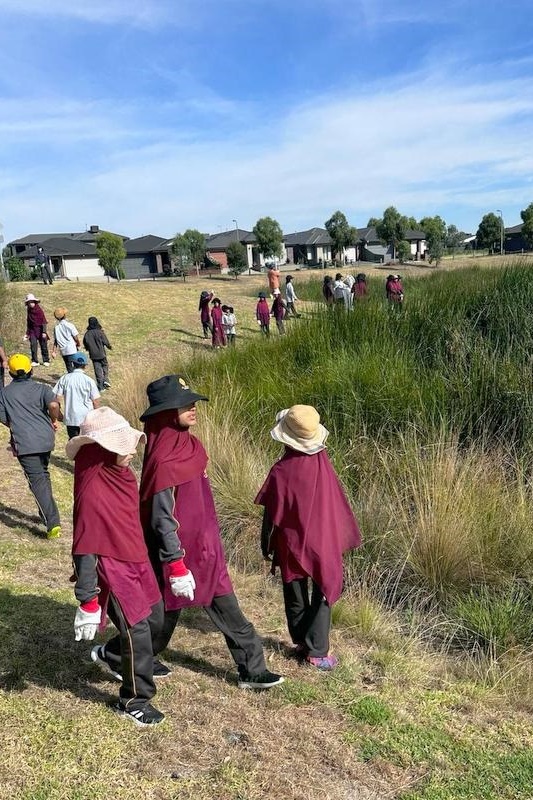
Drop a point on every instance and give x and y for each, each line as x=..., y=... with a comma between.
x=105, y=12
x=428, y=146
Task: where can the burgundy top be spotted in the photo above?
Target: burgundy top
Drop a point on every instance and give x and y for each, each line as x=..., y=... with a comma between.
x=106, y=524
x=278, y=309
x=219, y=337
x=35, y=320
x=262, y=312
x=359, y=288
x=203, y=307
x=106, y=507
x=175, y=458
x=314, y=524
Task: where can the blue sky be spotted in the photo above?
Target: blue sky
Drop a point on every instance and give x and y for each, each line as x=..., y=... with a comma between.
x=152, y=116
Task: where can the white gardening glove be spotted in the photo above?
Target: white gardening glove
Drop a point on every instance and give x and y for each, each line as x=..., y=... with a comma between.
x=183, y=586
x=86, y=624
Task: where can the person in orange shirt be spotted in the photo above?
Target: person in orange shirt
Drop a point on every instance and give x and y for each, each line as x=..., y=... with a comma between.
x=273, y=275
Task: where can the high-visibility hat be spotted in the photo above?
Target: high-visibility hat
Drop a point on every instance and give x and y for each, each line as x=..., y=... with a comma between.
x=19, y=364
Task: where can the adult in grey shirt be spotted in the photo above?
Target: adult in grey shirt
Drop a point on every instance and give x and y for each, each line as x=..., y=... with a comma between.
x=29, y=410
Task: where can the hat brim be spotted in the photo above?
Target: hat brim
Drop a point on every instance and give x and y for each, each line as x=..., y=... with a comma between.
x=122, y=442
x=171, y=404
x=309, y=446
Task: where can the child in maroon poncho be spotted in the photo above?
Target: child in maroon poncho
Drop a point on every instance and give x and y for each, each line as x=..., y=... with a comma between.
x=262, y=314
x=218, y=336
x=36, y=323
x=203, y=308
x=307, y=526
x=112, y=569
x=176, y=496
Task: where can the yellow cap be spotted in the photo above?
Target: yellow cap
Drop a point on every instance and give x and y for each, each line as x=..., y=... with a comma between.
x=19, y=364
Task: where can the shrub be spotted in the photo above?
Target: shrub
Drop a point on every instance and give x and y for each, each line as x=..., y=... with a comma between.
x=17, y=269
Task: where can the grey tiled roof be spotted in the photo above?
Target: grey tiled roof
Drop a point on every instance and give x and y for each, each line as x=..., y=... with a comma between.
x=144, y=244
x=219, y=241
x=311, y=237
x=60, y=246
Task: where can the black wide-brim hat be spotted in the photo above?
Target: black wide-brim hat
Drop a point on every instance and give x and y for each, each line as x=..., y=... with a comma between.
x=171, y=391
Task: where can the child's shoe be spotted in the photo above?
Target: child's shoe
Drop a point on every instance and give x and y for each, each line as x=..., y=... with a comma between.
x=325, y=663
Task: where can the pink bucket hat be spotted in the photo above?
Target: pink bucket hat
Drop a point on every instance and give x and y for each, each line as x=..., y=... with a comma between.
x=105, y=427
x=30, y=298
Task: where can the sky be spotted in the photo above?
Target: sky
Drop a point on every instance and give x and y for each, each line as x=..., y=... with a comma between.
x=154, y=116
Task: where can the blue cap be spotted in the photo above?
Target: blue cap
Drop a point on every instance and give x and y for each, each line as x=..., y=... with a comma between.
x=80, y=359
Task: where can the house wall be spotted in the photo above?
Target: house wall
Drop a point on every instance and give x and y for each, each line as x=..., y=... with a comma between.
x=138, y=266
x=87, y=267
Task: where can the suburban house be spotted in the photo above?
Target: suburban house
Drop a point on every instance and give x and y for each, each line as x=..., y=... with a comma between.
x=371, y=248
x=309, y=248
x=514, y=242
x=218, y=243
x=145, y=256
x=73, y=255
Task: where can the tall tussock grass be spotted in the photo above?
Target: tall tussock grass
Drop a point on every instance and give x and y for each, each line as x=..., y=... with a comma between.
x=430, y=411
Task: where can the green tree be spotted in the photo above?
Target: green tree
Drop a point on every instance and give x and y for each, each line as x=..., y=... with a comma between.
x=391, y=229
x=111, y=252
x=403, y=251
x=188, y=249
x=454, y=238
x=372, y=222
x=17, y=269
x=489, y=232
x=527, y=224
x=269, y=237
x=237, y=258
x=435, y=230
x=342, y=234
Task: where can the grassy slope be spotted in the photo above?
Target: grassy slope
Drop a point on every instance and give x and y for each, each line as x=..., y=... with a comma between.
x=394, y=721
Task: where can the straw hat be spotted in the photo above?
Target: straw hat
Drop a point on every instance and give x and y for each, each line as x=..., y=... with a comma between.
x=299, y=427
x=30, y=298
x=60, y=312
x=105, y=427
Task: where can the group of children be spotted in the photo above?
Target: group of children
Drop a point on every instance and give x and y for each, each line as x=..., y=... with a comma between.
x=344, y=291
x=130, y=546
x=66, y=340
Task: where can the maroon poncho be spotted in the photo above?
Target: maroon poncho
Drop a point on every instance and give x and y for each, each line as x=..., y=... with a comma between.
x=106, y=524
x=218, y=337
x=35, y=320
x=262, y=312
x=314, y=524
x=175, y=458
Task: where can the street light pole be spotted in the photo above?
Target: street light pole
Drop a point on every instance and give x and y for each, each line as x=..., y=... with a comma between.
x=501, y=231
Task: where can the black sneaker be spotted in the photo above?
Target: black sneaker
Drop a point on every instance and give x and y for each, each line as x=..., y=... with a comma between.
x=265, y=680
x=161, y=670
x=98, y=656
x=107, y=385
x=140, y=716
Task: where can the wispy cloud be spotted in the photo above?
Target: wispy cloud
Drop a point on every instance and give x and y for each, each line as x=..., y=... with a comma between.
x=104, y=12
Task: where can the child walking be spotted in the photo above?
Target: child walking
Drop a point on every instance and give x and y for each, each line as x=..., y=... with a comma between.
x=278, y=311
x=203, y=308
x=218, y=337
x=307, y=526
x=95, y=342
x=229, y=321
x=262, y=314
x=112, y=569
x=36, y=323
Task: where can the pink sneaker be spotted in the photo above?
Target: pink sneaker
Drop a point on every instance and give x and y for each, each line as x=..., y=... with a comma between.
x=324, y=663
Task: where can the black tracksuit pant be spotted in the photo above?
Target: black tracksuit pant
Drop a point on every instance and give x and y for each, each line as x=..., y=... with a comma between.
x=308, y=617
x=131, y=653
x=35, y=466
x=243, y=642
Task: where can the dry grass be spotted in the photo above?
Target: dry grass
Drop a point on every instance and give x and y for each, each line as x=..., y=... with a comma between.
x=338, y=737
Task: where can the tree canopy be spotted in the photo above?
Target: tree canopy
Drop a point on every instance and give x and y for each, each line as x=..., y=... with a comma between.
x=489, y=232
x=392, y=227
x=341, y=232
x=237, y=258
x=454, y=237
x=188, y=248
x=435, y=230
x=111, y=252
x=269, y=237
x=527, y=226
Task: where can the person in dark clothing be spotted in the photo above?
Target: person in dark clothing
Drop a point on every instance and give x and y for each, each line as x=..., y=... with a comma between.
x=36, y=324
x=176, y=497
x=327, y=290
x=262, y=314
x=113, y=574
x=307, y=526
x=42, y=262
x=203, y=308
x=95, y=341
x=29, y=410
x=278, y=311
